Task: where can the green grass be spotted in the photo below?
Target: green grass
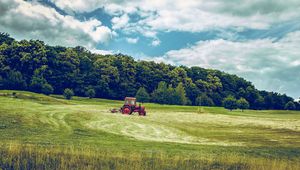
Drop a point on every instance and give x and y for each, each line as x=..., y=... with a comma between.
x=48, y=132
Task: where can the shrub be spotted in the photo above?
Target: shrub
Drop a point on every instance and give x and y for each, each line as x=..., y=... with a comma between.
x=230, y=103
x=242, y=104
x=68, y=93
x=47, y=89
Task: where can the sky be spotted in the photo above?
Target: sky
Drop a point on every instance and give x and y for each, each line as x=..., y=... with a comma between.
x=258, y=40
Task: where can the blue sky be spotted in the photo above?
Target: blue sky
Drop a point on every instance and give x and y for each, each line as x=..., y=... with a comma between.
x=258, y=40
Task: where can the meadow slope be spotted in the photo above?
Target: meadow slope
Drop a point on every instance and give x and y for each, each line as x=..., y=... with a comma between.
x=43, y=132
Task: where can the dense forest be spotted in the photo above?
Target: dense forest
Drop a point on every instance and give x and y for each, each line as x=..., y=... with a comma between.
x=34, y=66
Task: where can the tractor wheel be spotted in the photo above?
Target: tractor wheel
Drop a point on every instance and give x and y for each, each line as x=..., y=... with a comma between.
x=142, y=113
x=126, y=110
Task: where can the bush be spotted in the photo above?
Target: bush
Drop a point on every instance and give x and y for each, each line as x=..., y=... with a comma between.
x=47, y=89
x=242, y=104
x=230, y=103
x=68, y=93
x=90, y=93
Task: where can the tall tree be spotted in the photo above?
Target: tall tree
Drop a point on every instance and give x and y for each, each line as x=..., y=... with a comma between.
x=142, y=95
x=159, y=95
x=180, y=94
x=242, y=104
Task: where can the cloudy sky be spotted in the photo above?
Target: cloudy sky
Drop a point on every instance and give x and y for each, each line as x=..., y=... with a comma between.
x=255, y=39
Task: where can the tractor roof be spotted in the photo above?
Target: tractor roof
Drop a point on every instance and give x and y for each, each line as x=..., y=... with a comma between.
x=130, y=98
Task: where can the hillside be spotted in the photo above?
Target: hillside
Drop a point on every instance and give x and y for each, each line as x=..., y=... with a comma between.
x=39, y=131
x=34, y=66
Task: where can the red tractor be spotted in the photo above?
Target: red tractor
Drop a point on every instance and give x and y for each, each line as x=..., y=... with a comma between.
x=130, y=106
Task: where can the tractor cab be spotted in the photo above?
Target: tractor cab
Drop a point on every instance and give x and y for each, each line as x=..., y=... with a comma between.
x=131, y=101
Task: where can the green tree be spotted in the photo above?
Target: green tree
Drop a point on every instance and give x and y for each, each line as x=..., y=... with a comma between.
x=68, y=93
x=47, y=89
x=203, y=85
x=242, y=104
x=215, y=83
x=142, y=95
x=241, y=92
x=170, y=96
x=290, y=106
x=192, y=91
x=159, y=95
x=177, y=75
x=230, y=103
x=90, y=92
x=14, y=80
x=251, y=94
x=40, y=85
x=204, y=100
x=259, y=102
x=180, y=94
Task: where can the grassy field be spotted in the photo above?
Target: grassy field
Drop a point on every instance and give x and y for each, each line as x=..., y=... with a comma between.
x=48, y=132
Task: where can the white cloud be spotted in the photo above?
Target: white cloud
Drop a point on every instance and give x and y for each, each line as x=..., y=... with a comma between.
x=102, y=52
x=132, y=40
x=271, y=65
x=25, y=20
x=78, y=5
x=155, y=43
x=189, y=15
x=120, y=22
x=194, y=15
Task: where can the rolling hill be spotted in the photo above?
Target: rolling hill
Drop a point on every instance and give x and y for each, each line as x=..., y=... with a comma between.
x=47, y=132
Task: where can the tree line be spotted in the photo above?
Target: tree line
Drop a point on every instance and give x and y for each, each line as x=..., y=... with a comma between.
x=34, y=66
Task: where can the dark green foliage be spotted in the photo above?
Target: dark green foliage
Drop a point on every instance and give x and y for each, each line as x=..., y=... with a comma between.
x=230, y=103
x=170, y=95
x=34, y=66
x=5, y=38
x=142, y=95
x=243, y=104
x=68, y=93
x=204, y=100
x=259, y=102
x=40, y=85
x=192, y=92
x=180, y=95
x=14, y=80
x=90, y=92
x=47, y=89
x=290, y=106
x=160, y=94
x=1, y=82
